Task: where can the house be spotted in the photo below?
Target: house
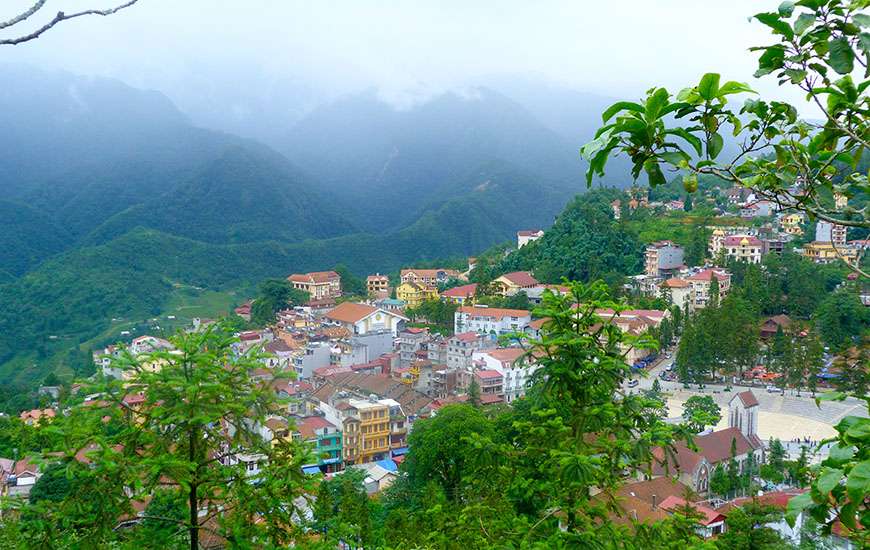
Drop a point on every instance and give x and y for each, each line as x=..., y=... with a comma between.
x=461, y=347
x=515, y=369
x=678, y=292
x=695, y=468
x=318, y=284
x=378, y=475
x=701, y=285
x=363, y=319
x=771, y=325
x=711, y=522
x=526, y=236
x=634, y=322
x=325, y=437
x=390, y=304
x=616, y=208
x=512, y=283
x=378, y=286
x=490, y=320
x=490, y=382
x=36, y=416
x=17, y=477
x=536, y=293
x=409, y=342
x=791, y=223
x=244, y=311
x=827, y=252
x=744, y=248
x=663, y=258
x=428, y=277
x=414, y=294
x=460, y=294
x=827, y=232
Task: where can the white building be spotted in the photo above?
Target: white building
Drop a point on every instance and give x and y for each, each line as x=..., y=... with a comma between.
x=363, y=319
x=528, y=235
x=515, y=370
x=744, y=248
x=663, y=257
x=490, y=320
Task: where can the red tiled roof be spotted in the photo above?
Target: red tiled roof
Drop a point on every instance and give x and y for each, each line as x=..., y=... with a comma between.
x=493, y=312
x=464, y=291
x=349, y=312
x=520, y=278
x=308, y=424
x=504, y=354
x=314, y=277
x=710, y=516
x=737, y=240
x=466, y=336
x=707, y=274
x=748, y=398
x=529, y=232
x=675, y=282
x=485, y=374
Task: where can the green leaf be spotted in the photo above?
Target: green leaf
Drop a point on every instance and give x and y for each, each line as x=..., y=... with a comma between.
x=693, y=140
x=654, y=173
x=796, y=76
x=771, y=60
x=796, y=505
x=732, y=87
x=864, y=42
x=590, y=149
x=841, y=58
x=655, y=103
x=861, y=19
x=828, y=479
x=621, y=106
x=830, y=396
x=708, y=88
x=786, y=8
x=803, y=22
x=779, y=26
x=714, y=145
x=840, y=454
x=674, y=157
x=860, y=429
x=858, y=482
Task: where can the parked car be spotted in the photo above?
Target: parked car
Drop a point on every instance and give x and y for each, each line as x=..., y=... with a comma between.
x=632, y=383
x=772, y=389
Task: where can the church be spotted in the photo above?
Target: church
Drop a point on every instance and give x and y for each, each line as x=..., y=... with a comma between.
x=694, y=468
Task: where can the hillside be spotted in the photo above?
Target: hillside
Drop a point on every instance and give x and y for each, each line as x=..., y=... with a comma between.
x=27, y=237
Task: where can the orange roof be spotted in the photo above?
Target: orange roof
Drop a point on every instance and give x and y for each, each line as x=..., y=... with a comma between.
x=504, y=354
x=520, y=278
x=464, y=291
x=709, y=515
x=707, y=274
x=675, y=282
x=349, y=312
x=314, y=277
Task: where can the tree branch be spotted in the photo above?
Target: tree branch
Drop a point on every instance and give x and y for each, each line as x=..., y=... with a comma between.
x=19, y=18
x=61, y=16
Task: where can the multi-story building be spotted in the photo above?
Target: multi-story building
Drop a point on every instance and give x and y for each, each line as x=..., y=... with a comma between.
x=409, y=342
x=363, y=319
x=461, y=348
x=378, y=286
x=325, y=438
x=791, y=223
x=490, y=320
x=515, y=370
x=318, y=284
x=744, y=248
x=414, y=294
x=526, y=236
x=428, y=277
x=663, y=258
x=491, y=382
x=827, y=232
x=827, y=252
x=366, y=433
x=678, y=292
x=701, y=285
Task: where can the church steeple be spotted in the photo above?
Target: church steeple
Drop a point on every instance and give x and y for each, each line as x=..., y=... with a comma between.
x=743, y=413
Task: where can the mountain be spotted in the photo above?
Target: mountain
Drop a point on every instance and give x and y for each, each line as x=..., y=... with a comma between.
x=388, y=163
x=27, y=236
x=246, y=195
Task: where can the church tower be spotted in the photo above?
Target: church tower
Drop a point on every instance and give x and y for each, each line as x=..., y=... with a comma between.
x=743, y=413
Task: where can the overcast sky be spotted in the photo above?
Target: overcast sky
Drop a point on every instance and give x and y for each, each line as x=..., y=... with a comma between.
x=261, y=48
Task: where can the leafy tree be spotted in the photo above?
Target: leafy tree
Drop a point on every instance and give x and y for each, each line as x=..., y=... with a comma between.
x=51, y=380
x=53, y=485
x=696, y=251
x=701, y=411
x=746, y=527
x=351, y=285
x=274, y=295
x=719, y=482
x=841, y=319
x=474, y=393
x=817, y=43
x=343, y=510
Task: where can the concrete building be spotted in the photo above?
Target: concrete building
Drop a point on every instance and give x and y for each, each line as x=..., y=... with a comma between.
x=362, y=318
x=744, y=248
x=490, y=320
x=701, y=285
x=663, y=258
x=515, y=370
x=378, y=286
x=526, y=236
x=827, y=232
x=318, y=284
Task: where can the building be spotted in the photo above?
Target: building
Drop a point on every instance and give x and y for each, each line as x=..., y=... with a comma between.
x=663, y=258
x=409, y=342
x=743, y=248
x=490, y=320
x=318, y=284
x=771, y=325
x=710, y=523
x=491, y=383
x=526, y=236
x=460, y=294
x=363, y=319
x=366, y=433
x=791, y=223
x=325, y=438
x=616, y=207
x=827, y=252
x=678, y=292
x=701, y=285
x=773, y=245
x=414, y=294
x=827, y=232
x=378, y=286
x=515, y=369
x=428, y=277
x=461, y=348
x=695, y=467
x=512, y=283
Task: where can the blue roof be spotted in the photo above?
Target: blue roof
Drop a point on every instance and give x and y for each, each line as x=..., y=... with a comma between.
x=400, y=451
x=388, y=464
x=310, y=470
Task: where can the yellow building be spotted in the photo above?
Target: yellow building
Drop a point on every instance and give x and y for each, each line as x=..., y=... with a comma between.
x=415, y=294
x=791, y=223
x=824, y=252
x=366, y=430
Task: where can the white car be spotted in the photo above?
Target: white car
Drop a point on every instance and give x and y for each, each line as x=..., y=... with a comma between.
x=772, y=389
x=632, y=383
